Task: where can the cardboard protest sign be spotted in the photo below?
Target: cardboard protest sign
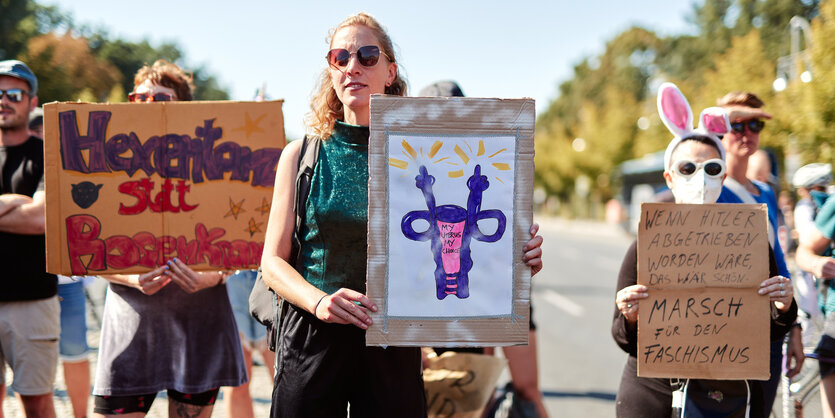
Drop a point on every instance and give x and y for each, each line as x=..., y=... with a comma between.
x=459, y=385
x=703, y=265
x=132, y=185
x=449, y=207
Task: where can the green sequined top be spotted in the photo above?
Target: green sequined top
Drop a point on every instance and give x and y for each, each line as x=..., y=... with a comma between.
x=334, y=236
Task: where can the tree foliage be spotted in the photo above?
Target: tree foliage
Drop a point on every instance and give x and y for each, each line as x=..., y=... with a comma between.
x=76, y=62
x=610, y=100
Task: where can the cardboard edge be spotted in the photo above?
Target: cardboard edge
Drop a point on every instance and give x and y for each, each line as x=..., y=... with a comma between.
x=52, y=206
x=423, y=331
x=56, y=241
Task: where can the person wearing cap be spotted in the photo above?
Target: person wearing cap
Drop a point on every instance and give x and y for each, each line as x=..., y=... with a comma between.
x=522, y=360
x=809, y=180
x=29, y=310
x=814, y=255
x=747, y=120
x=36, y=122
x=72, y=345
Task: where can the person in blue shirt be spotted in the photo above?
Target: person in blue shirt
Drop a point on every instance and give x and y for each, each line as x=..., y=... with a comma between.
x=747, y=121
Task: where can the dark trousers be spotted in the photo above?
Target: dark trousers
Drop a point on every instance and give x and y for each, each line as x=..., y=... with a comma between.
x=323, y=368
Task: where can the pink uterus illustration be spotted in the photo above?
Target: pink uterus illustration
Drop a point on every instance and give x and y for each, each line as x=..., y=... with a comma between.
x=450, y=231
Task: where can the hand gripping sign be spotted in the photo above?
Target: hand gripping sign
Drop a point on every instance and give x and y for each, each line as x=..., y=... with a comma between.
x=450, y=185
x=132, y=185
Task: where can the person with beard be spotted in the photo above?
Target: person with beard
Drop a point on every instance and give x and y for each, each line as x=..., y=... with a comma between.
x=29, y=310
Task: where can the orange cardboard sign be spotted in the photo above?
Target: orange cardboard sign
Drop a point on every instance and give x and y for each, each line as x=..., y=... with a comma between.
x=130, y=186
x=703, y=265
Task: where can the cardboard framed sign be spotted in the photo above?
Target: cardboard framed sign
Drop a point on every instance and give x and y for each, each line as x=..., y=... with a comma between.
x=703, y=265
x=449, y=208
x=132, y=185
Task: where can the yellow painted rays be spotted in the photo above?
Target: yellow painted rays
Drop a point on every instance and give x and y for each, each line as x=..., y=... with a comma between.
x=464, y=155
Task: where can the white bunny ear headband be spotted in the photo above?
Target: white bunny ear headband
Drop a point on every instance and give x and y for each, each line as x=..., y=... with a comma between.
x=676, y=114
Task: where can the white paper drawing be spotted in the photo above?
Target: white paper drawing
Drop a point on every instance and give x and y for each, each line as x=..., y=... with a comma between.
x=450, y=226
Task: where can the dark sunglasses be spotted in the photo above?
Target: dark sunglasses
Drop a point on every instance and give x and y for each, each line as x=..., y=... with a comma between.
x=145, y=97
x=366, y=55
x=754, y=125
x=712, y=168
x=14, y=95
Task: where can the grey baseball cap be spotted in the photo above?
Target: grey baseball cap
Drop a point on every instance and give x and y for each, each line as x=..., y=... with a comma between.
x=446, y=88
x=18, y=69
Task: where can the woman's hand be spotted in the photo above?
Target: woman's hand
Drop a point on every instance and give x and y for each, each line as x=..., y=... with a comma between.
x=533, y=250
x=189, y=280
x=627, y=301
x=779, y=290
x=152, y=281
x=342, y=308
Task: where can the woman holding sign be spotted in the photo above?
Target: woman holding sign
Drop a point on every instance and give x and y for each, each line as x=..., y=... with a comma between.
x=171, y=328
x=694, y=169
x=323, y=364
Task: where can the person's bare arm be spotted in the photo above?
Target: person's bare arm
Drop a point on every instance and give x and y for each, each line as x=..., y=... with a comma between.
x=23, y=215
x=807, y=256
x=10, y=201
x=279, y=275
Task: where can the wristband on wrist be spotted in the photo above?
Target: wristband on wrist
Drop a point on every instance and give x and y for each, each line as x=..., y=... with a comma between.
x=317, y=303
x=797, y=325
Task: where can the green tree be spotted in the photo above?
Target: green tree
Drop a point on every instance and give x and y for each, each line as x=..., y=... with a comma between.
x=734, y=47
x=65, y=67
x=83, y=57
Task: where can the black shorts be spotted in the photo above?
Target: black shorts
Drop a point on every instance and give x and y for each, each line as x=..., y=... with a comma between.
x=532, y=324
x=322, y=368
x=118, y=405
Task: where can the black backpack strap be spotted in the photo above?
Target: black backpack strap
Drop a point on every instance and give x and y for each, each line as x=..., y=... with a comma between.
x=308, y=156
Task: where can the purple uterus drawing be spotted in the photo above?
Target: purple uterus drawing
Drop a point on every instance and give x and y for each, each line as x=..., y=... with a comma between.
x=450, y=230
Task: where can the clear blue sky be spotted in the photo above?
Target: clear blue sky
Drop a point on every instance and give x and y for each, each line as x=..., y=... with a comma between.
x=492, y=48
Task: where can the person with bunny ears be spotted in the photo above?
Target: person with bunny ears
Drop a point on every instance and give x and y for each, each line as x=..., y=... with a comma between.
x=694, y=169
x=742, y=141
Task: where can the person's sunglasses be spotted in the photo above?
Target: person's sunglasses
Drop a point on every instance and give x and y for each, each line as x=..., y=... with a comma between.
x=14, y=95
x=368, y=56
x=712, y=168
x=754, y=125
x=145, y=97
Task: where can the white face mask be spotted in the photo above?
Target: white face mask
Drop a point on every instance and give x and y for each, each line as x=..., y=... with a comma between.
x=697, y=189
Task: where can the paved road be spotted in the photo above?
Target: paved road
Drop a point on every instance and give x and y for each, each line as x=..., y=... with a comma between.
x=580, y=366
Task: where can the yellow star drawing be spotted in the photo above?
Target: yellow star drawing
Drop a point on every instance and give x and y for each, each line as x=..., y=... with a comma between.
x=253, y=227
x=265, y=206
x=235, y=209
x=251, y=126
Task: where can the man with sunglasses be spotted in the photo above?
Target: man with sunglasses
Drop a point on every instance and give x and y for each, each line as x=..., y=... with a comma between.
x=29, y=310
x=747, y=121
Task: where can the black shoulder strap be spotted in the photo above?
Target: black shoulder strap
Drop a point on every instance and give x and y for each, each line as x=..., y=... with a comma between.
x=308, y=156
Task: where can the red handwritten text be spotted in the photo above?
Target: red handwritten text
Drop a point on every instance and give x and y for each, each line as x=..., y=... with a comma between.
x=141, y=190
x=146, y=250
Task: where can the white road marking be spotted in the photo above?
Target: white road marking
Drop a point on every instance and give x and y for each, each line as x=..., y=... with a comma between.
x=563, y=303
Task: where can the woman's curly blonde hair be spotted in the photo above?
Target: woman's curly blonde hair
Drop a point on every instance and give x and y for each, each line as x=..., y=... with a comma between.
x=167, y=74
x=325, y=107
